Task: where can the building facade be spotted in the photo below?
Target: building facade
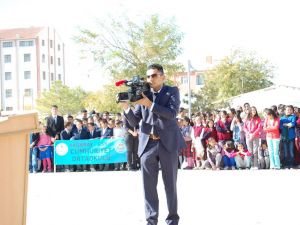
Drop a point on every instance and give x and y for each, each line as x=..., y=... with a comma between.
x=30, y=60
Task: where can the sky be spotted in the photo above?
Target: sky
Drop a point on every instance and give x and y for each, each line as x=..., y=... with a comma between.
x=210, y=27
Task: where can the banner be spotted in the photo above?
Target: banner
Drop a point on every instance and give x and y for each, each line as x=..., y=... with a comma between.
x=93, y=151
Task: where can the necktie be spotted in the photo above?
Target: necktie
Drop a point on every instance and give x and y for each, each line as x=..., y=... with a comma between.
x=55, y=120
x=155, y=94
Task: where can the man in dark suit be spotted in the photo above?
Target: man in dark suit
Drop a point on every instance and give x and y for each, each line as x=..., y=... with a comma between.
x=54, y=123
x=160, y=141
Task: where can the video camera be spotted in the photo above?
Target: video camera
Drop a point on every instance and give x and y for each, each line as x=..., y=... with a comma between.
x=136, y=85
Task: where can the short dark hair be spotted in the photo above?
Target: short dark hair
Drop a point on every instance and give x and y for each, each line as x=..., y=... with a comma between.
x=156, y=66
x=92, y=124
x=70, y=116
x=54, y=106
x=83, y=110
x=68, y=124
x=79, y=121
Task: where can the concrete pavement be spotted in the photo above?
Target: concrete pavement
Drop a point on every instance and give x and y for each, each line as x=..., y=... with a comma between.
x=262, y=197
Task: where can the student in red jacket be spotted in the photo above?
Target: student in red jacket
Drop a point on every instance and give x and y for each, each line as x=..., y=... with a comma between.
x=223, y=128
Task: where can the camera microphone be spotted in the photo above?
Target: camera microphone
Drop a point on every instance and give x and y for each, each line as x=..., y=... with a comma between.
x=120, y=82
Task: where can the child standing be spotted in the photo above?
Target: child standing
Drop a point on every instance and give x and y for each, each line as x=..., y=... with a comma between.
x=45, y=146
x=238, y=134
x=33, y=155
x=288, y=134
x=252, y=128
x=271, y=127
x=187, y=152
x=196, y=141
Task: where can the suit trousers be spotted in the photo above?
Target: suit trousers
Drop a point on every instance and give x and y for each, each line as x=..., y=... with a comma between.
x=132, y=148
x=153, y=155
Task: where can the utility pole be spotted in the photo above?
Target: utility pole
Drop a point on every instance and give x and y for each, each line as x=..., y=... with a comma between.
x=189, y=86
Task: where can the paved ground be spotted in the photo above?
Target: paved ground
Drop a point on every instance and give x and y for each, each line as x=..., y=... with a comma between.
x=205, y=197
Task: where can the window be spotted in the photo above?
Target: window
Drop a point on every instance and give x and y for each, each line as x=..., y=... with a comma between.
x=51, y=44
x=9, y=108
x=27, y=75
x=26, y=43
x=7, y=75
x=51, y=59
x=58, y=47
x=52, y=77
x=7, y=58
x=184, y=80
x=43, y=42
x=7, y=44
x=58, y=61
x=44, y=75
x=43, y=58
x=199, y=80
x=59, y=76
x=27, y=57
x=28, y=92
x=8, y=93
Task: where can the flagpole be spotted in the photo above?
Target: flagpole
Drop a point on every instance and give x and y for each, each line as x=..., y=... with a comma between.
x=189, y=87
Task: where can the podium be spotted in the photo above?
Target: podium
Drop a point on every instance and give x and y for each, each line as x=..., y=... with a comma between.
x=14, y=162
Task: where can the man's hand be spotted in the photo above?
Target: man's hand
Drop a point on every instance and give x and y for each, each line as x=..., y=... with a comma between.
x=124, y=105
x=144, y=101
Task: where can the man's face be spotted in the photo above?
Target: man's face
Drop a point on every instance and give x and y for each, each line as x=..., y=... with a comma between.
x=78, y=125
x=155, y=79
x=90, y=127
x=54, y=111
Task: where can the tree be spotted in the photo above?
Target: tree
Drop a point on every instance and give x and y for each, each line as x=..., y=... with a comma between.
x=68, y=100
x=103, y=100
x=238, y=73
x=125, y=48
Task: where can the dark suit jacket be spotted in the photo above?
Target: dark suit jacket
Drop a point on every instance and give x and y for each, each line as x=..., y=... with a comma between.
x=164, y=120
x=84, y=134
x=64, y=135
x=52, y=128
x=108, y=133
x=96, y=134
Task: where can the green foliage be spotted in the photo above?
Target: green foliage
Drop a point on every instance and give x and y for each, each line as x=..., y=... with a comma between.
x=238, y=73
x=104, y=100
x=125, y=48
x=68, y=100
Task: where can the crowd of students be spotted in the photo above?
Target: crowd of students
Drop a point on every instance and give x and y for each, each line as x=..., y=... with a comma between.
x=227, y=139
x=85, y=126
x=242, y=139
